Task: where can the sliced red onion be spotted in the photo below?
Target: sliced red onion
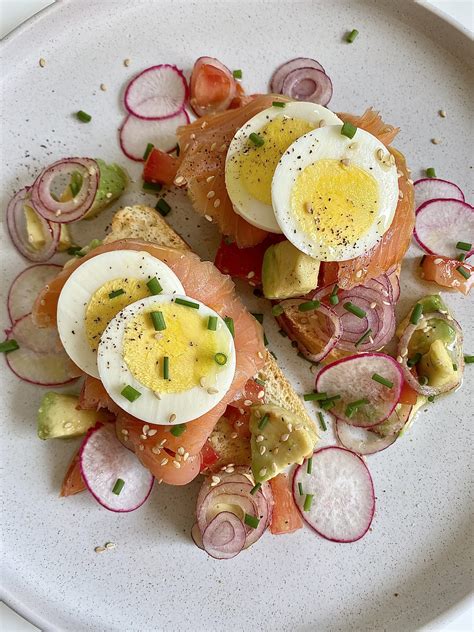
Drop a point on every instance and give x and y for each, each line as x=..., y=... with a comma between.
x=224, y=536
x=308, y=84
x=434, y=189
x=280, y=74
x=196, y=536
x=440, y=224
x=394, y=278
x=26, y=287
x=77, y=207
x=16, y=223
x=158, y=92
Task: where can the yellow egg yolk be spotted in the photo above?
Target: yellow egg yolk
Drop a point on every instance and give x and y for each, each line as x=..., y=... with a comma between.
x=335, y=204
x=102, y=308
x=258, y=164
x=186, y=341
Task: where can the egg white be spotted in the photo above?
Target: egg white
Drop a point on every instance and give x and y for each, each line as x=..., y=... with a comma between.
x=252, y=210
x=86, y=280
x=115, y=374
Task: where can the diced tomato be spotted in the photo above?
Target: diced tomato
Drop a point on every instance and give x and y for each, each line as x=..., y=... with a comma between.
x=328, y=271
x=445, y=272
x=160, y=167
x=286, y=517
x=253, y=393
x=208, y=456
x=73, y=482
x=212, y=86
x=408, y=395
x=239, y=420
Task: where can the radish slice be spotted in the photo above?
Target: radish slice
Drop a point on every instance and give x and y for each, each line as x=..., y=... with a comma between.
x=308, y=84
x=351, y=379
x=136, y=133
x=435, y=189
x=343, y=504
x=159, y=92
x=360, y=440
x=224, y=536
x=43, y=369
x=26, y=287
x=440, y=224
x=280, y=74
x=29, y=335
x=213, y=86
x=103, y=461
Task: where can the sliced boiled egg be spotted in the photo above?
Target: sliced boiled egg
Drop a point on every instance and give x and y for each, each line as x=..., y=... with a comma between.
x=255, y=151
x=100, y=288
x=334, y=197
x=162, y=361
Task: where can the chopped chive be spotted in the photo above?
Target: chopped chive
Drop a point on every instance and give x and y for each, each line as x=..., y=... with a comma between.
x=9, y=345
x=256, y=139
x=149, y=148
x=162, y=207
x=353, y=309
x=463, y=245
x=152, y=186
x=220, y=358
x=258, y=317
x=382, y=380
x=364, y=337
x=416, y=314
x=308, y=501
x=255, y=488
x=469, y=359
x=154, y=286
x=230, y=324
x=116, y=293
x=353, y=407
x=263, y=422
x=278, y=104
x=463, y=272
x=274, y=355
x=178, y=430
x=348, y=130
x=186, y=303
x=212, y=323
x=130, y=393
x=350, y=37
x=329, y=402
x=265, y=339
x=314, y=397
x=237, y=74
x=309, y=467
x=461, y=257
x=74, y=250
x=422, y=380
x=251, y=521
x=322, y=423
x=277, y=310
x=158, y=321
x=259, y=381
x=300, y=489
x=178, y=150
x=117, y=488
x=430, y=172
x=431, y=398
x=334, y=299
x=308, y=305
x=455, y=366
x=283, y=333
x=413, y=361
x=422, y=260
x=166, y=368
x=83, y=116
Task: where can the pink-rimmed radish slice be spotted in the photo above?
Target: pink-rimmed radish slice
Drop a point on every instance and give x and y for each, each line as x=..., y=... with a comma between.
x=308, y=84
x=42, y=369
x=352, y=380
x=361, y=440
x=104, y=461
x=18, y=229
x=280, y=74
x=136, y=133
x=26, y=287
x=159, y=92
x=28, y=334
x=440, y=224
x=212, y=86
x=435, y=189
x=224, y=536
x=343, y=503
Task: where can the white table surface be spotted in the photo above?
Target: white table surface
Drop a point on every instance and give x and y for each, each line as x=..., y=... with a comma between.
x=12, y=13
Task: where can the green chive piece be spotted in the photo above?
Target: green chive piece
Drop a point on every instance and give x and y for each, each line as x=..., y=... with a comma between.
x=74, y=250
x=154, y=286
x=308, y=305
x=308, y=501
x=258, y=317
x=158, y=321
x=422, y=380
x=83, y=116
x=152, y=186
x=322, y=423
x=334, y=299
x=230, y=324
x=237, y=74
x=212, y=323
x=149, y=148
x=76, y=183
x=329, y=402
x=455, y=366
x=463, y=245
x=278, y=104
x=256, y=139
x=263, y=422
x=162, y=207
x=255, y=488
x=309, y=467
x=353, y=309
x=277, y=310
x=9, y=345
x=274, y=355
x=350, y=37
x=283, y=333
x=178, y=430
x=348, y=130
x=251, y=521
x=130, y=393
x=413, y=361
x=220, y=358
x=186, y=303
x=259, y=381
x=116, y=293
x=314, y=397
x=353, y=407
x=430, y=172
x=416, y=314
x=166, y=368
x=382, y=380
x=469, y=359
x=364, y=337
x=422, y=260
x=461, y=257
x=117, y=488
x=463, y=272
x=431, y=398
x=300, y=489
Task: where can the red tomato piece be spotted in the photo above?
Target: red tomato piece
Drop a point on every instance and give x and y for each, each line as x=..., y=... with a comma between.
x=160, y=167
x=253, y=393
x=208, y=456
x=408, y=395
x=212, y=86
x=445, y=272
x=239, y=420
x=286, y=517
x=73, y=482
x=244, y=263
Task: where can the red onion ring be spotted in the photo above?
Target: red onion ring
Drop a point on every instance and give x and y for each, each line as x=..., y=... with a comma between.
x=308, y=84
x=72, y=210
x=280, y=74
x=224, y=536
x=16, y=217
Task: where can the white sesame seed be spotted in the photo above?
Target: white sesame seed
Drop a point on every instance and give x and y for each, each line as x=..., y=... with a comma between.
x=404, y=353
x=212, y=390
x=262, y=449
x=276, y=450
x=185, y=456
x=126, y=62
x=251, y=274
x=373, y=305
x=435, y=141
x=42, y=62
x=213, y=146
x=157, y=395
x=259, y=438
x=229, y=469
x=285, y=437
x=99, y=549
x=223, y=468
x=345, y=162
x=156, y=450
x=143, y=437
x=145, y=429
x=193, y=137
x=124, y=431
x=230, y=464
x=208, y=217
x=290, y=427
x=202, y=382
x=437, y=261
x=322, y=123
x=68, y=425
x=164, y=461
x=210, y=179
x=103, y=87
x=210, y=195
x=223, y=147
x=263, y=471
x=141, y=447
x=391, y=159
x=58, y=212
x=203, y=124
x=400, y=195
x=152, y=432
x=442, y=113
x=110, y=545
x=379, y=153
x=108, y=195
x=353, y=145
x=176, y=464
x=162, y=443
x=217, y=203
x=261, y=394
x=409, y=181
x=160, y=481
x=248, y=402
x=260, y=354
x=172, y=417
x=179, y=180
x=180, y=450
x=186, y=147
x=386, y=302
x=358, y=274
x=399, y=359
x=448, y=316
x=234, y=435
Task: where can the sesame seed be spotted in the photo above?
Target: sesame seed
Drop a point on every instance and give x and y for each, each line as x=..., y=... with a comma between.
x=193, y=137
x=373, y=305
x=260, y=354
x=156, y=450
x=162, y=443
x=409, y=181
x=234, y=435
x=353, y=145
x=179, y=180
x=322, y=123
x=435, y=141
x=290, y=427
x=345, y=162
x=215, y=481
x=230, y=464
x=437, y=261
x=141, y=447
x=203, y=124
x=212, y=390
x=180, y=450
x=262, y=449
x=202, y=382
x=251, y=274
x=213, y=146
x=157, y=395
x=261, y=394
x=108, y=195
x=164, y=461
x=391, y=160
x=442, y=113
x=248, y=402
x=99, y=549
x=42, y=62
x=68, y=425
x=186, y=147
x=386, y=302
x=160, y=481
x=399, y=359
x=152, y=432
x=449, y=317
x=103, y=87
x=263, y=471
x=358, y=274
x=379, y=153
x=208, y=217
x=259, y=438
x=210, y=179
x=276, y=450
x=285, y=437
x=185, y=456
x=126, y=62
x=400, y=195
x=176, y=464
x=404, y=353
x=58, y=212
x=110, y=545
x=210, y=195
x=124, y=431
x=223, y=147
x=145, y=429
x=229, y=469
x=217, y=203
x=143, y=437
x=172, y=417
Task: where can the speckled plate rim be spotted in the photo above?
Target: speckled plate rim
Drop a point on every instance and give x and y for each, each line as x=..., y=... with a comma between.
x=467, y=41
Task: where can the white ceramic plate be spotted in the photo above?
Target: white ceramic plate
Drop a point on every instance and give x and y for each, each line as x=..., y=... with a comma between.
x=414, y=565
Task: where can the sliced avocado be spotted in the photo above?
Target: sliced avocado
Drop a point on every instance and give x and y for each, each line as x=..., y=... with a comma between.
x=283, y=438
x=431, y=303
x=288, y=272
x=34, y=228
x=59, y=418
x=65, y=239
x=437, y=365
x=112, y=183
x=421, y=341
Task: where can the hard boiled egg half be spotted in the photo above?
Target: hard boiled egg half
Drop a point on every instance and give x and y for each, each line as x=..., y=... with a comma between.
x=254, y=153
x=167, y=359
x=98, y=290
x=334, y=197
